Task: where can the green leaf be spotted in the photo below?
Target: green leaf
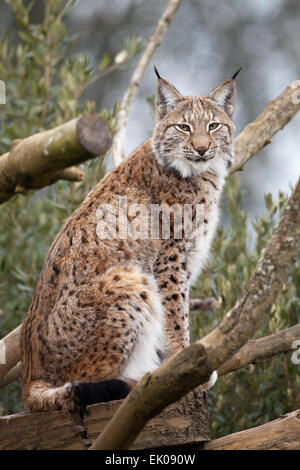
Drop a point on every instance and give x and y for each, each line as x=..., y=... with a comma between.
x=105, y=61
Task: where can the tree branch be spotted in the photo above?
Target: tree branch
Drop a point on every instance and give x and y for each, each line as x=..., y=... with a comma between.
x=13, y=374
x=194, y=364
x=43, y=158
x=131, y=92
x=262, y=349
x=259, y=133
x=10, y=351
x=281, y=434
x=254, y=351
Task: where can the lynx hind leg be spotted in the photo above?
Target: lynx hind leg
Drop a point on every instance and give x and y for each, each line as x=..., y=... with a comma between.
x=136, y=320
x=130, y=333
x=123, y=344
x=129, y=329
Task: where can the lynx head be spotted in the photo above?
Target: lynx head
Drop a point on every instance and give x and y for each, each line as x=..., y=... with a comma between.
x=194, y=134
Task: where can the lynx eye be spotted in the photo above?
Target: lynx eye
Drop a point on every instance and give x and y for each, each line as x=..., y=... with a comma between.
x=213, y=126
x=183, y=127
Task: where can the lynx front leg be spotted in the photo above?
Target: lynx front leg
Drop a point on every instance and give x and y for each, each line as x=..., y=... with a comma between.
x=171, y=274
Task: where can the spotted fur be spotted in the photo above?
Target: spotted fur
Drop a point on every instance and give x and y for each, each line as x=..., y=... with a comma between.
x=108, y=309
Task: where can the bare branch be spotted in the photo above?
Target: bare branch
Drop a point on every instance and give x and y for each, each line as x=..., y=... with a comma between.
x=193, y=365
x=131, y=92
x=43, y=158
x=10, y=350
x=281, y=434
x=262, y=349
x=13, y=374
x=210, y=303
x=73, y=173
x=259, y=133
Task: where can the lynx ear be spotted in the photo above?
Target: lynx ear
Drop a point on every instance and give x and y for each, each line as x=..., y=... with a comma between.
x=223, y=95
x=167, y=96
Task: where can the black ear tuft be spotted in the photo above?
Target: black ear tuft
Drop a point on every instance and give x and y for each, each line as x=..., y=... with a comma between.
x=156, y=71
x=236, y=74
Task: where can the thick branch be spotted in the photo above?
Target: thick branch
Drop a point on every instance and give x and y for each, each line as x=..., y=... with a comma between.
x=131, y=92
x=193, y=365
x=43, y=158
x=259, y=133
x=281, y=434
x=262, y=349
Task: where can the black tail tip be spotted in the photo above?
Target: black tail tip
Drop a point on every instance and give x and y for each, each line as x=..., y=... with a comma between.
x=156, y=72
x=236, y=74
x=89, y=393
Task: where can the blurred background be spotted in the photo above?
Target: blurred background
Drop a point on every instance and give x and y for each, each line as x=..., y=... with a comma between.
x=204, y=45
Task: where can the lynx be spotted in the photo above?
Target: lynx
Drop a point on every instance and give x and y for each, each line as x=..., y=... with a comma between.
x=106, y=310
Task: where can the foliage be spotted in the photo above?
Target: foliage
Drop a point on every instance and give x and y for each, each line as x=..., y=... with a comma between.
x=262, y=392
x=239, y=400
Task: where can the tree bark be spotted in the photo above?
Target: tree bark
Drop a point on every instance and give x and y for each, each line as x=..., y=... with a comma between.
x=43, y=158
x=281, y=434
x=194, y=364
x=181, y=423
x=259, y=133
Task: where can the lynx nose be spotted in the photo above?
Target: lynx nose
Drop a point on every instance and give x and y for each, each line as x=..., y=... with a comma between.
x=201, y=150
